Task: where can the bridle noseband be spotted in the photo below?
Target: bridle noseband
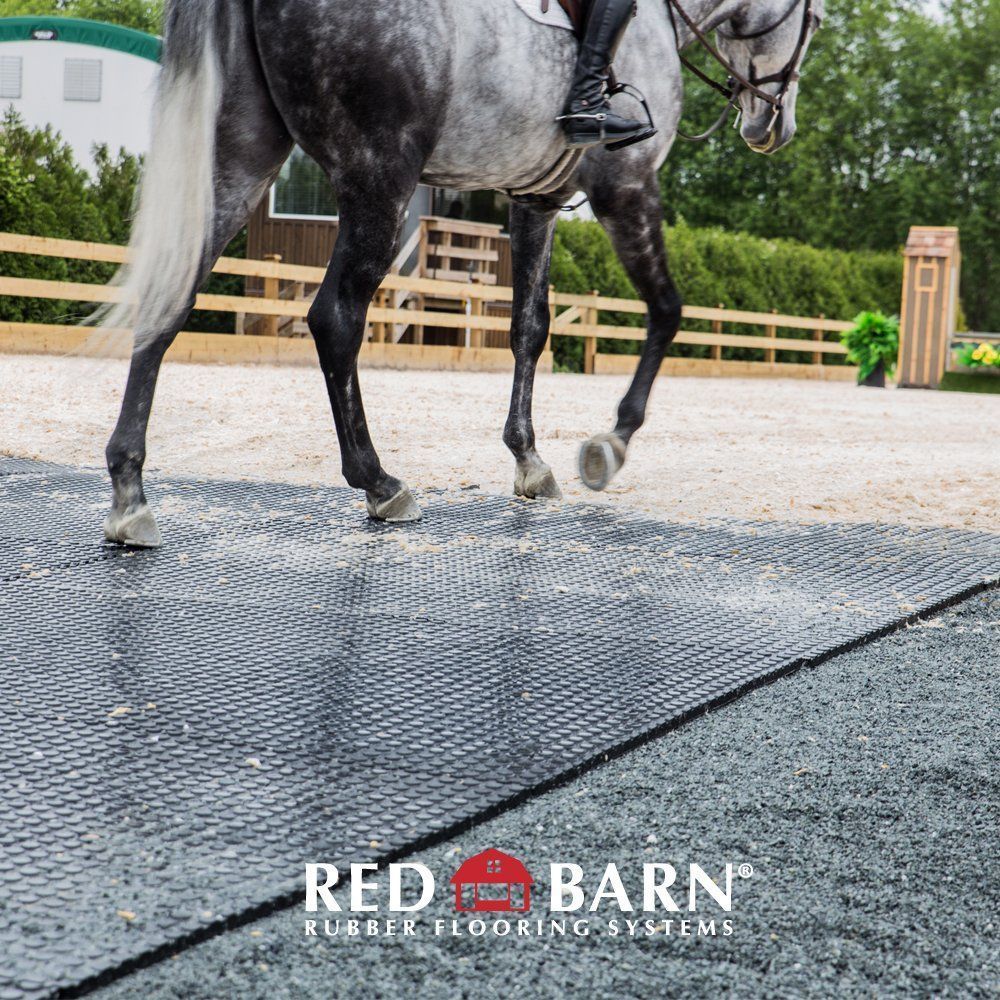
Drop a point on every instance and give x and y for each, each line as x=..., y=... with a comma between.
x=738, y=84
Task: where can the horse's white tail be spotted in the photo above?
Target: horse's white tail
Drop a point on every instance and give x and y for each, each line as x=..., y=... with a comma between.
x=173, y=223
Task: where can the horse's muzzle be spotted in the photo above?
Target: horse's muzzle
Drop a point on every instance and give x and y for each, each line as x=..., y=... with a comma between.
x=764, y=137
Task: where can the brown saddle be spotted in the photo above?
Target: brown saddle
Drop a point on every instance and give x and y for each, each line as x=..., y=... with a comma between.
x=576, y=9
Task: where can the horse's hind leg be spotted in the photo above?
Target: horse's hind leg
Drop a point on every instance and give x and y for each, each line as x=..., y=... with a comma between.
x=634, y=221
x=250, y=146
x=531, y=232
x=370, y=226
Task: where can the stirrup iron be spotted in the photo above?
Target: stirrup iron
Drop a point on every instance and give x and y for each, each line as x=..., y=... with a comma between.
x=635, y=94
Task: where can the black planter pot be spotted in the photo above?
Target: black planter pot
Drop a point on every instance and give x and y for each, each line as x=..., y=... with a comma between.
x=877, y=378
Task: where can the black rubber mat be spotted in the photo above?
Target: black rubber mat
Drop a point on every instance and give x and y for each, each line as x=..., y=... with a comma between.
x=285, y=682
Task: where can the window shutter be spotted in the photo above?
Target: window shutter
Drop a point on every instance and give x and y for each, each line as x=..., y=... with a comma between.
x=10, y=76
x=82, y=80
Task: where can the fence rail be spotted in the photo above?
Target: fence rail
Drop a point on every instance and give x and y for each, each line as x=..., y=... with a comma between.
x=970, y=337
x=573, y=315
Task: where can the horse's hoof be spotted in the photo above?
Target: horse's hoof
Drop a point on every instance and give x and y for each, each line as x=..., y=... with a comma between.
x=136, y=528
x=399, y=509
x=600, y=458
x=537, y=483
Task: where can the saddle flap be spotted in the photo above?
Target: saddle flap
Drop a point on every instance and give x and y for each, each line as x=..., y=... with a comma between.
x=576, y=10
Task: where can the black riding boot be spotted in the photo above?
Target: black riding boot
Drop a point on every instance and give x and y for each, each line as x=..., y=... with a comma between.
x=588, y=119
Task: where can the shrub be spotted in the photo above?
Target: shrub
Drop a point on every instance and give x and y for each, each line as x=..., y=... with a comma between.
x=45, y=192
x=713, y=267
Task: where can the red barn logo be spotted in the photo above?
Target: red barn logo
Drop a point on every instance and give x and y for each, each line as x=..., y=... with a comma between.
x=492, y=882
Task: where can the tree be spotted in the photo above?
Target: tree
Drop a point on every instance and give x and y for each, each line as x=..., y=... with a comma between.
x=898, y=125
x=45, y=192
x=143, y=15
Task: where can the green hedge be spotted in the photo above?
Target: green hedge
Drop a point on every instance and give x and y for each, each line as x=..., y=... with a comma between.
x=45, y=192
x=712, y=266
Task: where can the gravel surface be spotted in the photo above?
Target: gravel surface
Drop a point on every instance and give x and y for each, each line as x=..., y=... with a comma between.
x=712, y=447
x=863, y=792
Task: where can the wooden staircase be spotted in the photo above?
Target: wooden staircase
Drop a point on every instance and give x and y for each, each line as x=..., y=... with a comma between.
x=445, y=250
x=454, y=250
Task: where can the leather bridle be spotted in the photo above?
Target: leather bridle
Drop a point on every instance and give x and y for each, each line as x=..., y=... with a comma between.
x=737, y=84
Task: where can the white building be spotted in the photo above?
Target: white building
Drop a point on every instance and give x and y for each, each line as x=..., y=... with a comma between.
x=92, y=82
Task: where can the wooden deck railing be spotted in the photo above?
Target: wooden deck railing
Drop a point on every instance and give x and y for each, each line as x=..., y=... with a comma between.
x=573, y=315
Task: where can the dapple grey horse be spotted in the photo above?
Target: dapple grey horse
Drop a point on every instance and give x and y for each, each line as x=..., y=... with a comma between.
x=456, y=93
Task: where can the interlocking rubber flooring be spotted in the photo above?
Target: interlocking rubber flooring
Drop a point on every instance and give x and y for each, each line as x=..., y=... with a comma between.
x=181, y=730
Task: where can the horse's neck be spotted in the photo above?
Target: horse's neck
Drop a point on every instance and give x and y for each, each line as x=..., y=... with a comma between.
x=707, y=14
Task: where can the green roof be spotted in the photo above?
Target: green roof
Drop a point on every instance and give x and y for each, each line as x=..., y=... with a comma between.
x=73, y=29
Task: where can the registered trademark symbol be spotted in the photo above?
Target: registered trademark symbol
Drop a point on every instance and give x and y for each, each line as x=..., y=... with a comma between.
x=746, y=871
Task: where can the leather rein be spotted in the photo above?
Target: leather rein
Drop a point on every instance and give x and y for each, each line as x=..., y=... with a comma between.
x=738, y=84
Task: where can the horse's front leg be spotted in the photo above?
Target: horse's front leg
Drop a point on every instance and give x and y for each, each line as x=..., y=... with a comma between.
x=634, y=221
x=531, y=231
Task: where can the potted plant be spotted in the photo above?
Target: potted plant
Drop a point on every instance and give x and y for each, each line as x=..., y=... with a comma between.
x=873, y=345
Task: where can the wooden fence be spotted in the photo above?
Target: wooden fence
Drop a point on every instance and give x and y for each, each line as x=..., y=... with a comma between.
x=572, y=316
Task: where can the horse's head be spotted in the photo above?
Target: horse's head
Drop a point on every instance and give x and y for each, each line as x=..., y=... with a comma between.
x=766, y=42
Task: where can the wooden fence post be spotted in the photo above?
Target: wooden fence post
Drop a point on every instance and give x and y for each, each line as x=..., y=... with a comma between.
x=717, y=330
x=770, y=354
x=552, y=316
x=477, y=307
x=590, y=343
x=272, y=290
x=818, y=337
x=379, y=329
x=423, y=267
x=418, y=329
